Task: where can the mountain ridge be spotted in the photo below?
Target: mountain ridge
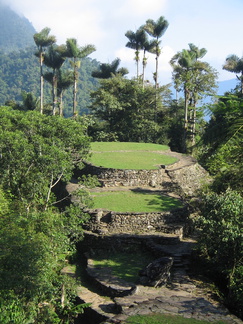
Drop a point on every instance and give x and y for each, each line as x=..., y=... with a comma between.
x=16, y=32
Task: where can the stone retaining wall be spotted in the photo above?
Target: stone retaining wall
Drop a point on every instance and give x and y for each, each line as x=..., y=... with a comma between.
x=93, y=242
x=129, y=178
x=174, y=222
x=188, y=179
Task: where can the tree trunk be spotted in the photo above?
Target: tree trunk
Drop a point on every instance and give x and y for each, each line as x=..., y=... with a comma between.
x=41, y=83
x=184, y=145
x=75, y=89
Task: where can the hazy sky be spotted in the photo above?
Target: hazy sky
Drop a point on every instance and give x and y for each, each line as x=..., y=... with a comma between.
x=216, y=25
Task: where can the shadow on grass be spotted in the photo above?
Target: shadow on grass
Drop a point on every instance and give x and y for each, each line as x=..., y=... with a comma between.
x=159, y=202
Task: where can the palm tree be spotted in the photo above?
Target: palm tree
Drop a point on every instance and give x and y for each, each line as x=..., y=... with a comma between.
x=107, y=70
x=42, y=41
x=54, y=59
x=235, y=64
x=156, y=29
x=75, y=52
x=147, y=46
x=136, y=39
x=64, y=81
x=194, y=78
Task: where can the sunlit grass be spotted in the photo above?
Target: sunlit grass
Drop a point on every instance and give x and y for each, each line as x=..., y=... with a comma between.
x=124, y=265
x=137, y=160
x=131, y=146
x=126, y=155
x=134, y=201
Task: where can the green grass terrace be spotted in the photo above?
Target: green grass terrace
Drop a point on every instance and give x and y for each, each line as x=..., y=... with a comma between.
x=134, y=200
x=128, y=155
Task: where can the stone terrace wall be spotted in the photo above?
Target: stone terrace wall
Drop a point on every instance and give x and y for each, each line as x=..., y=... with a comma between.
x=130, y=178
x=173, y=222
x=188, y=179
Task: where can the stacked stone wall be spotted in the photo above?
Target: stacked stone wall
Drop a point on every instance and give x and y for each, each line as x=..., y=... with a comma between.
x=128, y=178
x=174, y=222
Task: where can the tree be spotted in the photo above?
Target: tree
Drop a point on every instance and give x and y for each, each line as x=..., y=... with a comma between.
x=106, y=70
x=75, y=52
x=42, y=41
x=54, y=59
x=147, y=46
x=220, y=241
x=64, y=81
x=235, y=64
x=196, y=79
x=127, y=110
x=136, y=40
x=156, y=29
x=222, y=143
x=30, y=102
x=37, y=153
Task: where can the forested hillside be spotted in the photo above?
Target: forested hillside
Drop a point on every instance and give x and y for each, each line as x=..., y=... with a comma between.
x=15, y=32
x=19, y=72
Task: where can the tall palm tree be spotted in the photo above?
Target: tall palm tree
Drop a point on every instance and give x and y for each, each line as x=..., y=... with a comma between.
x=76, y=53
x=192, y=77
x=107, y=70
x=42, y=41
x=64, y=81
x=156, y=29
x=136, y=39
x=147, y=46
x=54, y=59
x=235, y=64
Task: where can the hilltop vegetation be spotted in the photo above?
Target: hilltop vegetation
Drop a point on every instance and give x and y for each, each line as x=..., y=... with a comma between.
x=15, y=32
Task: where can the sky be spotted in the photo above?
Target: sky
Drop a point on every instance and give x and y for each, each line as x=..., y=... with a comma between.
x=216, y=25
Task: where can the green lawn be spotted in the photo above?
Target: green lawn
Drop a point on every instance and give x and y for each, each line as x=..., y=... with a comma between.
x=124, y=265
x=138, y=160
x=126, y=155
x=166, y=319
x=134, y=201
x=127, y=146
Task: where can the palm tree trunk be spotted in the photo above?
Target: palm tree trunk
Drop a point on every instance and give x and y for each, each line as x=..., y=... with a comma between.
x=184, y=144
x=75, y=89
x=156, y=73
x=54, y=93
x=41, y=83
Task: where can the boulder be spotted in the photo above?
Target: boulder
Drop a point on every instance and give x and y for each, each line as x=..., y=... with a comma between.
x=156, y=273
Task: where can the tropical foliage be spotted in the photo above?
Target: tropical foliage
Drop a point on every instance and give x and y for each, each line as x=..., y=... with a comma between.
x=37, y=153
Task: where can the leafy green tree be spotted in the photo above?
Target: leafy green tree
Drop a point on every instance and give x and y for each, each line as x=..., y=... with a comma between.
x=221, y=241
x=127, y=110
x=196, y=79
x=43, y=39
x=221, y=144
x=76, y=53
x=30, y=102
x=234, y=64
x=106, y=70
x=156, y=29
x=37, y=153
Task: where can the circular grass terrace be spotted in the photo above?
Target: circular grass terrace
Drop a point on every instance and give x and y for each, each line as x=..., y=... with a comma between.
x=128, y=155
x=134, y=200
